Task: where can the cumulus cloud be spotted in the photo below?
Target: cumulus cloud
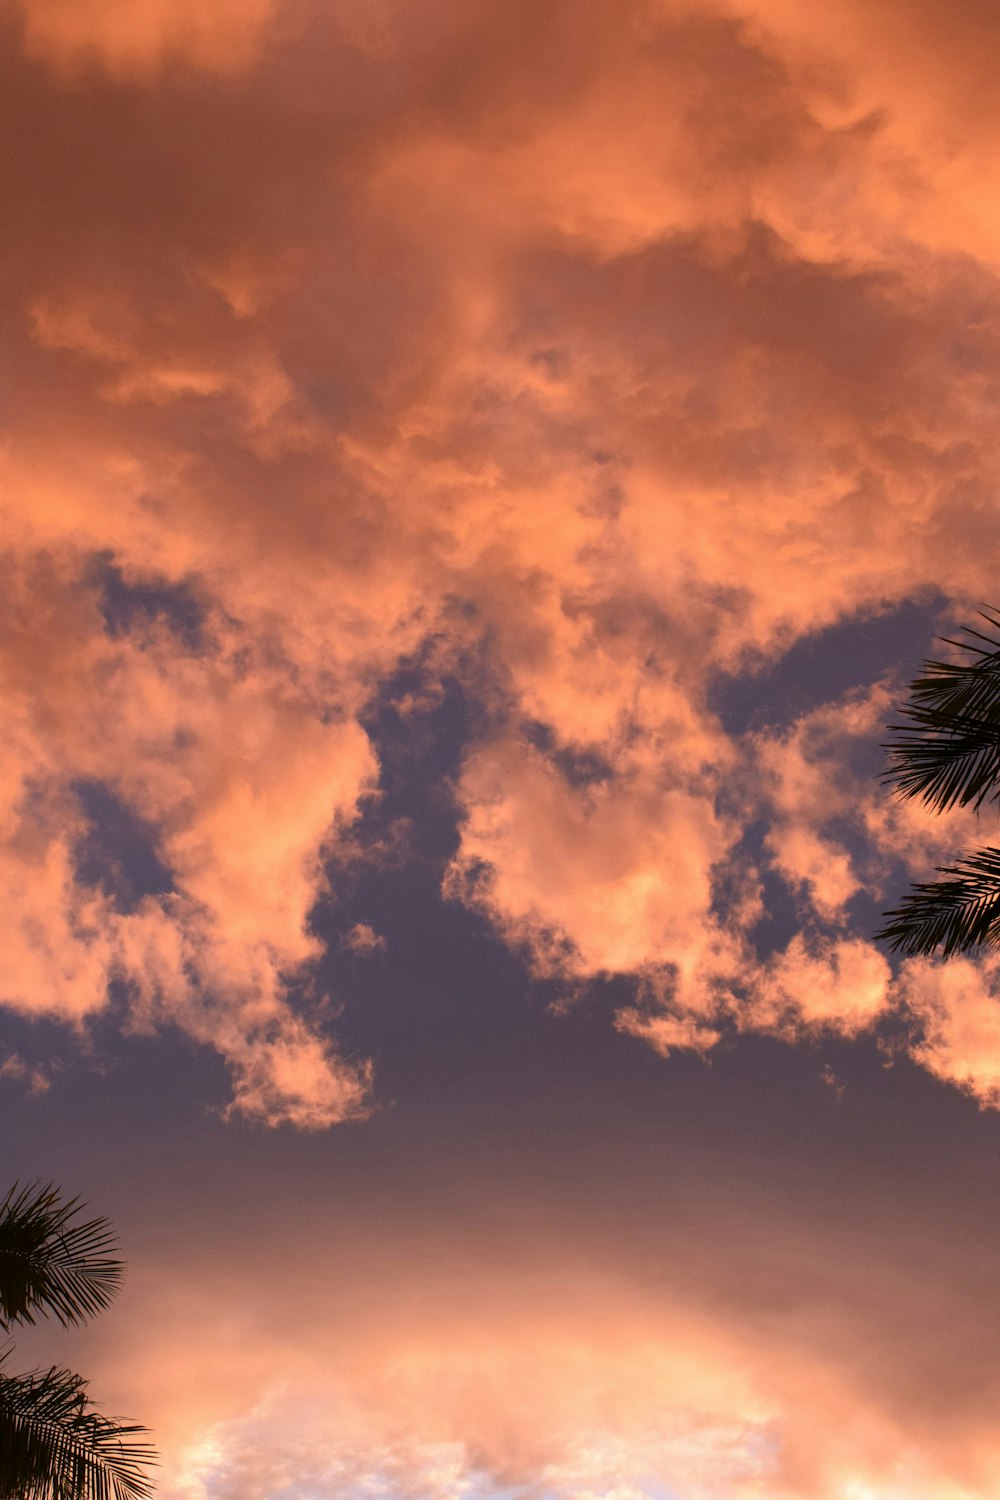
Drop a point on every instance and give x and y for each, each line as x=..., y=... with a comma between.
x=609, y=367
x=598, y=355
x=958, y=1022
x=620, y=868
x=843, y=986
x=240, y=780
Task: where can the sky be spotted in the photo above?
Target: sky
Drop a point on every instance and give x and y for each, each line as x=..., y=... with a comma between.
x=476, y=480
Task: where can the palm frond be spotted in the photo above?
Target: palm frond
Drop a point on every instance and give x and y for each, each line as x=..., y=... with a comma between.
x=959, y=914
x=945, y=766
x=55, y=1446
x=48, y=1263
x=947, y=750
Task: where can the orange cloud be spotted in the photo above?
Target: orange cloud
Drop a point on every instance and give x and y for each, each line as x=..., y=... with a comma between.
x=619, y=869
x=241, y=781
x=132, y=39
x=958, y=1021
x=842, y=985
x=597, y=354
x=605, y=367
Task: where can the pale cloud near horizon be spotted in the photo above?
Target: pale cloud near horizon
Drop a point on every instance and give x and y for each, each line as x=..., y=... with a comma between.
x=612, y=366
x=564, y=1381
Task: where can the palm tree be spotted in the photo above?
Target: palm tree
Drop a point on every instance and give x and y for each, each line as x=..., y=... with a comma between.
x=946, y=753
x=53, y=1444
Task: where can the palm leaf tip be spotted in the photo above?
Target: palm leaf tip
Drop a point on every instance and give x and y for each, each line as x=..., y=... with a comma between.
x=958, y=914
x=55, y=1446
x=947, y=749
x=51, y=1261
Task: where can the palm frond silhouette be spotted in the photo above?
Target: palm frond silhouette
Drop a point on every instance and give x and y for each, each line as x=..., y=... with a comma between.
x=945, y=752
x=54, y=1445
x=48, y=1264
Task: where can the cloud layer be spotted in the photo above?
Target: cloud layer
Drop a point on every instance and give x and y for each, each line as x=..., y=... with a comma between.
x=611, y=351
x=516, y=1361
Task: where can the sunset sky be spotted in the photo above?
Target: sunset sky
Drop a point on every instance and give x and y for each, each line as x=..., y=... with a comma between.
x=475, y=479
